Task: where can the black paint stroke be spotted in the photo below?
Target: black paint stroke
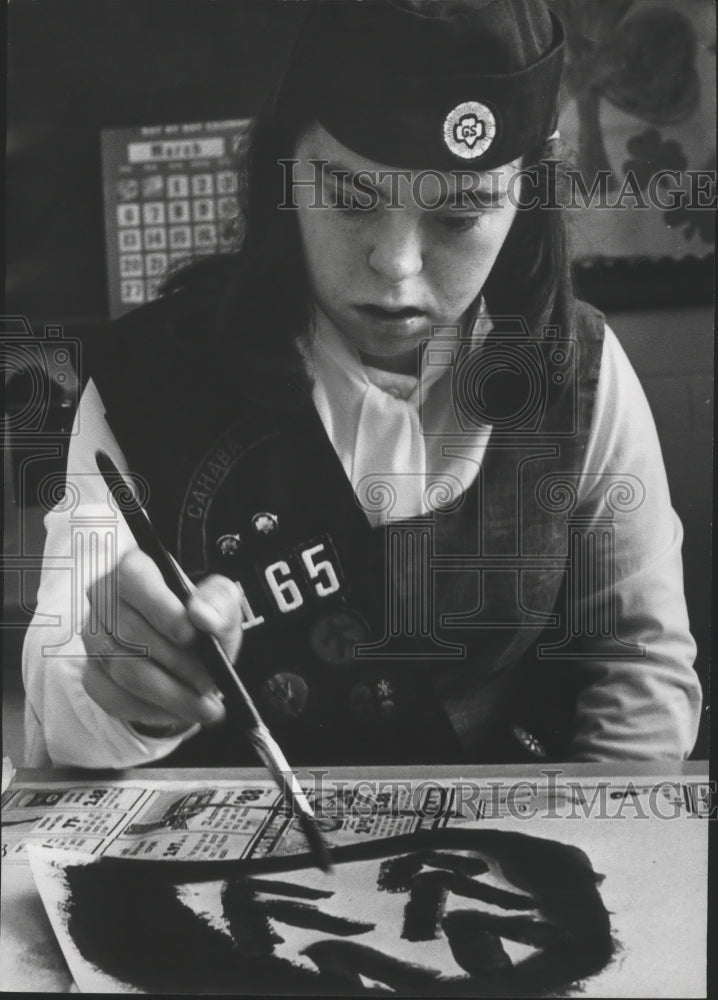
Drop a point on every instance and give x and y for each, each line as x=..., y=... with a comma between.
x=133, y=927
x=459, y=863
x=424, y=910
x=475, y=949
x=126, y=919
x=505, y=846
x=280, y=888
x=536, y=933
x=312, y=918
x=248, y=923
x=352, y=958
x=473, y=889
x=395, y=875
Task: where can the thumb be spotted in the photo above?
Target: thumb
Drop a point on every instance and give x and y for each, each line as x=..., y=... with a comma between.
x=215, y=607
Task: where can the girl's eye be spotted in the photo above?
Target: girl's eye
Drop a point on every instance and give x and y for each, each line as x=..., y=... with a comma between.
x=354, y=209
x=354, y=206
x=459, y=223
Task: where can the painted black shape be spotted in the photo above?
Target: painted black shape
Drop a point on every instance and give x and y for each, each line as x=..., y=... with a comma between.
x=399, y=875
x=333, y=963
x=476, y=950
x=248, y=923
x=522, y=858
x=472, y=889
x=537, y=933
x=395, y=874
x=424, y=910
x=560, y=879
x=134, y=928
x=355, y=958
x=461, y=863
x=311, y=917
x=281, y=888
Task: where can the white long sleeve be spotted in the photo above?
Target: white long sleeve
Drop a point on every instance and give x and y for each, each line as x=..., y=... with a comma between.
x=645, y=707
x=86, y=537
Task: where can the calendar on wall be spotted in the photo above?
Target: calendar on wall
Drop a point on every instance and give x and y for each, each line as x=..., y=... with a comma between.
x=170, y=196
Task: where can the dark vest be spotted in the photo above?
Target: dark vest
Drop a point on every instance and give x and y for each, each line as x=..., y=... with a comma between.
x=411, y=643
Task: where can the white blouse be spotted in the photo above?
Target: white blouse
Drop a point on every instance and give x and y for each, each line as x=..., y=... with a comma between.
x=639, y=709
x=393, y=471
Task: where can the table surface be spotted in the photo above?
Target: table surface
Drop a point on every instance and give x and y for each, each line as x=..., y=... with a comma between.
x=30, y=958
x=616, y=769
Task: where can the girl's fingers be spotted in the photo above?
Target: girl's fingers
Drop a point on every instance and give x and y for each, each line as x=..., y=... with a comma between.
x=180, y=662
x=123, y=705
x=144, y=680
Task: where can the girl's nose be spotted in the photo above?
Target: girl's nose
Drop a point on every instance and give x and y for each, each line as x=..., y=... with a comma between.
x=396, y=251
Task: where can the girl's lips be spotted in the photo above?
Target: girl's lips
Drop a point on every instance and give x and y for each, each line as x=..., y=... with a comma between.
x=382, y=312
x=393, y=323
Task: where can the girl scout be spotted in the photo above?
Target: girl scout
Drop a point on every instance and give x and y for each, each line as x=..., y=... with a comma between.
x=416, y=482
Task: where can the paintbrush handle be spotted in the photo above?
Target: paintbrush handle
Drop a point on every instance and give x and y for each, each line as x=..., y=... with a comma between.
x=269, y=751
x=210, y=651
x=238, y=701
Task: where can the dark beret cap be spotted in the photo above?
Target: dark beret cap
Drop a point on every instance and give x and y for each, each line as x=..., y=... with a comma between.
x=430, y=83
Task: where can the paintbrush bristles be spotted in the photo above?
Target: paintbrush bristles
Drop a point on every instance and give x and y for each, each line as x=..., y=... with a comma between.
x=270, y=752
x=316, y=843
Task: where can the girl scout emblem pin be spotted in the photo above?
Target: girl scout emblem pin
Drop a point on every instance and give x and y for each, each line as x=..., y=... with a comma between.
x=469, y=130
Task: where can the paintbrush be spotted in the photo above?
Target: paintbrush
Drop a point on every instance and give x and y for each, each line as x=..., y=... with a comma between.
x=237, y=699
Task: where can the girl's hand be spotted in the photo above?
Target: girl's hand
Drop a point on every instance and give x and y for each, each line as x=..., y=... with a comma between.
x=141, y=667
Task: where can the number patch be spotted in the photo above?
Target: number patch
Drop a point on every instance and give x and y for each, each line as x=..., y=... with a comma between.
x=294, y=580
x=282, y=586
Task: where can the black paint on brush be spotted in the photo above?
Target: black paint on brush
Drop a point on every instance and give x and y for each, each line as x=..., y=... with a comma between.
x=316, y=842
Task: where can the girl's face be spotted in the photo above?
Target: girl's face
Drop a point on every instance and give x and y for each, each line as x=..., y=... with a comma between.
x=413, y=254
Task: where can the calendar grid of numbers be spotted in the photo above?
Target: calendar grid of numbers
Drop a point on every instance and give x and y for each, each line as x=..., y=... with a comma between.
x=170, y=196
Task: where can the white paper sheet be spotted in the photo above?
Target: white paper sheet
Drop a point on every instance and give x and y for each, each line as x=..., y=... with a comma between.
x=654, y=890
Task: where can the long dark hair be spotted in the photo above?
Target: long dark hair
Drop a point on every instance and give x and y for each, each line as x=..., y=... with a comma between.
x=262, y=294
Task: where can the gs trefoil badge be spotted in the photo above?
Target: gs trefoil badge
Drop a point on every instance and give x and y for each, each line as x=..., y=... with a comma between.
x=469, y=130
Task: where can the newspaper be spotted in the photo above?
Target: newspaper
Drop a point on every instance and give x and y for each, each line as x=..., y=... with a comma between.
x=374, y=920
x=231, y=819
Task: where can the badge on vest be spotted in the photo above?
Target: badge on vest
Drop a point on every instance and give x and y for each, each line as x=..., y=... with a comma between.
x=334, y=635
x=469, y=130
x=265, y=523
x=289, y=581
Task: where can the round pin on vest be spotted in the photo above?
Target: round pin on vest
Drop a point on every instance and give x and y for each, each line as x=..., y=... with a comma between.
x=228, y=545
x=265, y=523
x=469, y=130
